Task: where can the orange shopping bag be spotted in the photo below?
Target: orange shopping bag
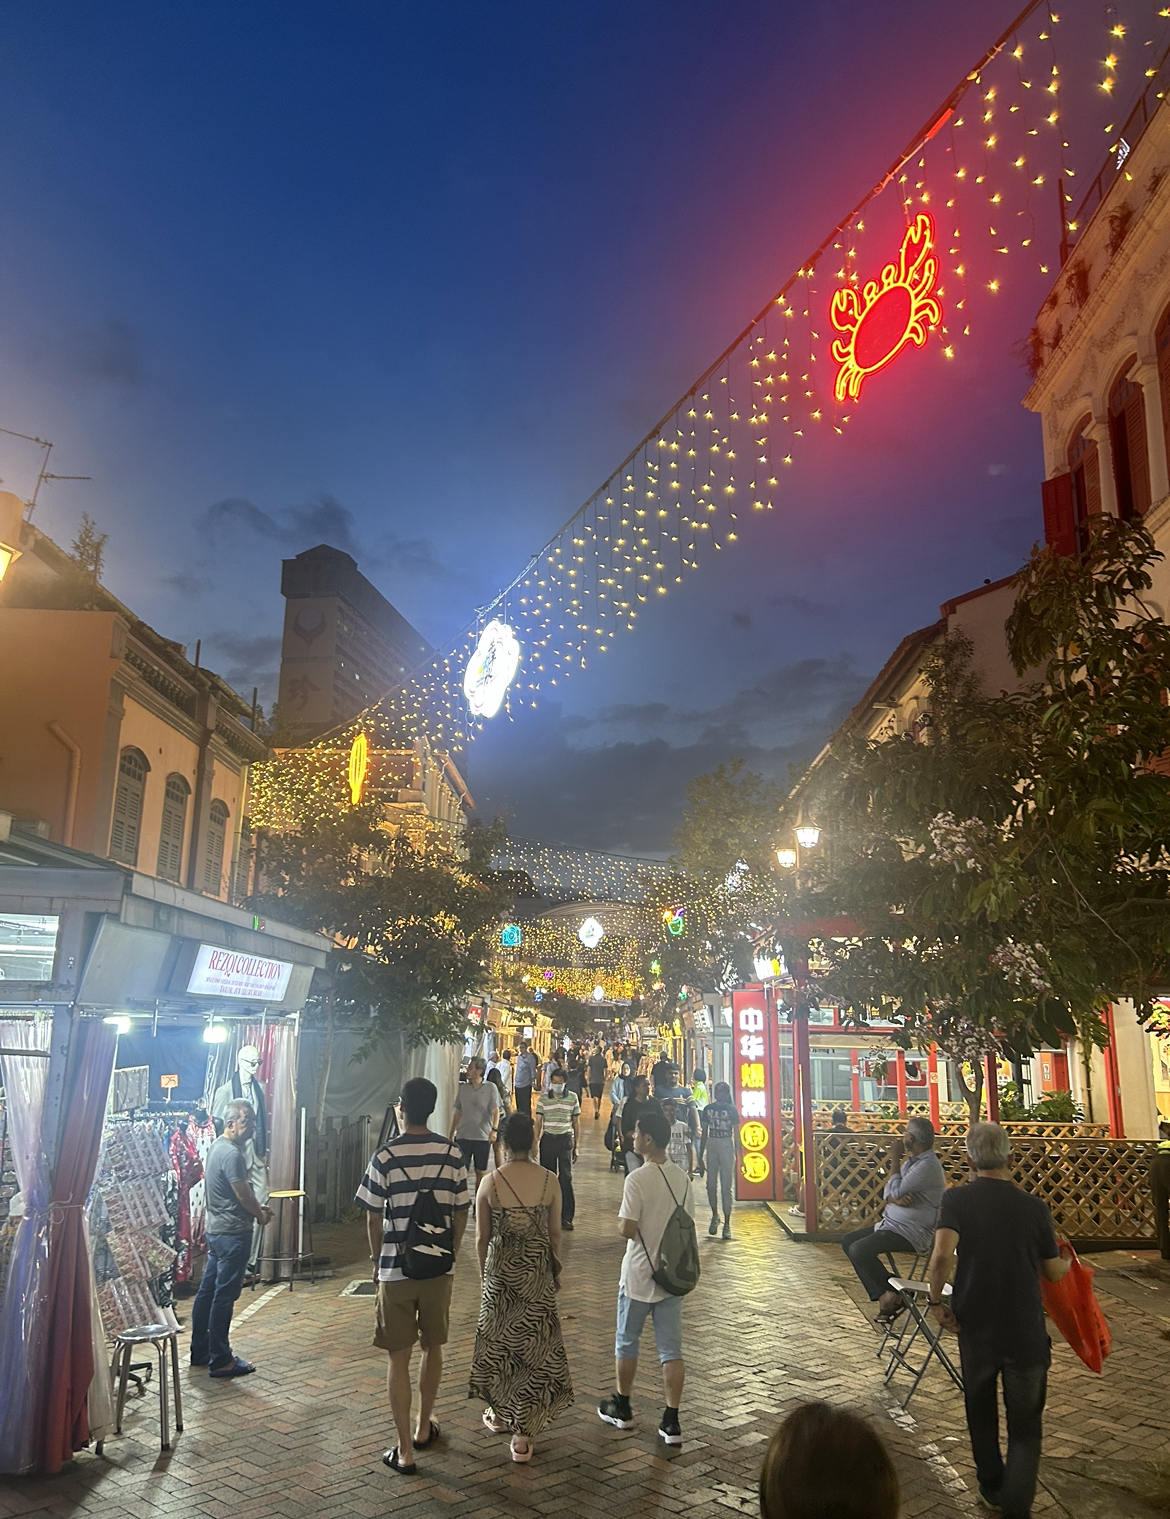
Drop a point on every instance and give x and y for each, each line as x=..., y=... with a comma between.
x=1073, y=1307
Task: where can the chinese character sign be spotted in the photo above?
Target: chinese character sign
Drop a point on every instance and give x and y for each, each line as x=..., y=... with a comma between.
x=754, y=1052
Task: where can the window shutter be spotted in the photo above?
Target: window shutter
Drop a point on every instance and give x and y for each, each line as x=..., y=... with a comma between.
x=1139, y=457
x=127, y=819
x=216, y=837
x=170, y=839
x=1162, y=342
x=1092, y=480
x=1060, y=528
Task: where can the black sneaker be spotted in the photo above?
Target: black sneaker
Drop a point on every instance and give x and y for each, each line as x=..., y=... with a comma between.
x=565, y=1225
x=616, y=1410
x=669, y=1428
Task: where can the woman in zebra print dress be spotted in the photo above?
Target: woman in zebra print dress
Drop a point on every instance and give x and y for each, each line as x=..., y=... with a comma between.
x=519, y=1366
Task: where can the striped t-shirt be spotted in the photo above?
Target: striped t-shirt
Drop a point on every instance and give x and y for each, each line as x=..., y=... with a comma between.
x=558, y=1113
x=395, y=1176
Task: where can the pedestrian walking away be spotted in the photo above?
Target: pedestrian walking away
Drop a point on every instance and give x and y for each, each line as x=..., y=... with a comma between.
x=524, y=1079
x=476, y=1118
x=1005, y=1242
x=662, y=1073
x=519, y=1367
x=558, y=1133
x=650, y=1198
x=824, y=1461
x=913, y=1191
x=232, y=1209
x=596, y=1067
x=638, y=1101
x=720, y=1155
x=681, y=1149
x=416, y=1201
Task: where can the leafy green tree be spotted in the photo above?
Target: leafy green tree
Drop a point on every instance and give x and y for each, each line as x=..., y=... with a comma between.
x=1009, y=878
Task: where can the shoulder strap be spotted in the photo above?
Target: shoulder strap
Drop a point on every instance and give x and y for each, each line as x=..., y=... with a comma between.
x=516, y=1195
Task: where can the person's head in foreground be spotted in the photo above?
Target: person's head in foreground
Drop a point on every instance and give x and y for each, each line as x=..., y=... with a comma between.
x=989, y=1147
x=826, y=1463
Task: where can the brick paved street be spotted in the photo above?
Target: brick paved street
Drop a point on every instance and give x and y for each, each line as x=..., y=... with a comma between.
x=773, y=1322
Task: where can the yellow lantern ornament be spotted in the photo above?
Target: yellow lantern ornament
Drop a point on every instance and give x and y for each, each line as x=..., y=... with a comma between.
x=359, y=763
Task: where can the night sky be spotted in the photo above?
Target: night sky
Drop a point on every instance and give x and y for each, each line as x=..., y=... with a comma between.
x=412, y=279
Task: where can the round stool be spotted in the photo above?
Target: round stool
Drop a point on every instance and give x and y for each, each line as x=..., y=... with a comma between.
x=295, y=1257
x=158, y=1336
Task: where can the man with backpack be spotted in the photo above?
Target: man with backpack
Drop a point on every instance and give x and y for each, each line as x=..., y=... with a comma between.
x=660, y=1267
x=416, y=1200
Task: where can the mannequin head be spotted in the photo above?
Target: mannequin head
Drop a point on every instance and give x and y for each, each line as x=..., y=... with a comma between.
x=248, y=1062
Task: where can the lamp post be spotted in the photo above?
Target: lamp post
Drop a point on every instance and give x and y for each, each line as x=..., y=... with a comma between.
x=805, y=836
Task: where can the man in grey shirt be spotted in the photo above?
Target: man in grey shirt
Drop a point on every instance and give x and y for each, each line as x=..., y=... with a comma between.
x=476, y=1118
x=231, y=1209
x=913, y=1193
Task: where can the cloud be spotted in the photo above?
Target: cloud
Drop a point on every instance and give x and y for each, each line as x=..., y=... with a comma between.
x=788, y=601
x=324, y=521
x=111, y=354
x=997, y=469
x=188, y=583
x=250, y=661
x=742, y=620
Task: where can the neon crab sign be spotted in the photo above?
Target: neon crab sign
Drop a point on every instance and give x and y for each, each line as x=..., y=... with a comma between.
x=899, y=307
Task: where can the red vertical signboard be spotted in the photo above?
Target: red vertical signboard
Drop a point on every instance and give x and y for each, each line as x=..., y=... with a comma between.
x=756, y=1089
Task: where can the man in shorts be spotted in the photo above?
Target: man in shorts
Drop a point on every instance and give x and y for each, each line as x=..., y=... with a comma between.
x=476, y=1118
x=412, y=1312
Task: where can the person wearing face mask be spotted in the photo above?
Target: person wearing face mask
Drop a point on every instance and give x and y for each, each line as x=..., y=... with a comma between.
x=558, y=1130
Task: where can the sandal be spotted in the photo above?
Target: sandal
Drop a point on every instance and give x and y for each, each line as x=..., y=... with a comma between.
x=432, y=1436
x=890, y=1315
x=526, y=1453
x=393, y=1461
x=493, y=1423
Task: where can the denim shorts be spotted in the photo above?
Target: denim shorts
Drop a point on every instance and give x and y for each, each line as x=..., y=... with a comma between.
x=632, y=1316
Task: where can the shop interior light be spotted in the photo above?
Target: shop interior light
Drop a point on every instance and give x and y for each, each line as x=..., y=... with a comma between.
x=786, y=858
x=599, y=994
x=120, y=1022
x=215, y=1033
x=807, y=836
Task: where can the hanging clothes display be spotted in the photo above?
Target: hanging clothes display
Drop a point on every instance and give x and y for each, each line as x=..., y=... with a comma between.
x=188, y=1149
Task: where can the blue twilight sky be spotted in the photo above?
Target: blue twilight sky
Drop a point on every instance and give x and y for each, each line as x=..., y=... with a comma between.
x=412, y=278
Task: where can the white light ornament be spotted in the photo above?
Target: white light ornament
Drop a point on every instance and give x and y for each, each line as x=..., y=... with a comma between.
x=591, y=933
x=491, y=669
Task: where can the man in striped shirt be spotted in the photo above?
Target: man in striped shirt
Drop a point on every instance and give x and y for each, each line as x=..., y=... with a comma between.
x=412, y=1312
x=558, y=1131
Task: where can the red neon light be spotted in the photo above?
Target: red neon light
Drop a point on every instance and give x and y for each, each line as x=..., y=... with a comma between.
x=887, y=313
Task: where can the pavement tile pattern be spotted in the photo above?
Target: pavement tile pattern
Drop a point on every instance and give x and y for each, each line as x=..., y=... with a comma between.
x=773, y=1323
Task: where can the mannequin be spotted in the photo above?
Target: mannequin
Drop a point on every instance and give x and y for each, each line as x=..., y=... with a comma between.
x=245, y=1086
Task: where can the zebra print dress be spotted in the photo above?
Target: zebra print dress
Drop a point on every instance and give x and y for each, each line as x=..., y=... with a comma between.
x=519, y=1366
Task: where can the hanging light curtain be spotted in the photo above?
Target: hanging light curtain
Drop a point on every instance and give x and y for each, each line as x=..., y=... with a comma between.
x=23, y=1308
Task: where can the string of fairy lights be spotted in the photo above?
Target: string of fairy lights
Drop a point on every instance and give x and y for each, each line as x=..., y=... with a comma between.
x=920, y=260
x=561, y=874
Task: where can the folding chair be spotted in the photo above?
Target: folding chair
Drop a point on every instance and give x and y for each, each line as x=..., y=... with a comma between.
x=917, y=1273
x=916, y=1295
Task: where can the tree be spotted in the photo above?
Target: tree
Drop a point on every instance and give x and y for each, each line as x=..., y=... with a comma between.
x=89, y=552
x=1009, y=878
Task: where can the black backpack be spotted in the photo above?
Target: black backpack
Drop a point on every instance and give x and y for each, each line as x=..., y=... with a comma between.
x=426, y=1246
x=677, y=1271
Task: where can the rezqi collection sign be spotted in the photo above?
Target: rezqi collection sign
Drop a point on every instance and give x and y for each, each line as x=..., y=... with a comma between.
x=754, y=1046
x=219, y=972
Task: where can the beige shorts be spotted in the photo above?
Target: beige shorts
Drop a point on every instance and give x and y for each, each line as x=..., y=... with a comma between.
x=411, y=1313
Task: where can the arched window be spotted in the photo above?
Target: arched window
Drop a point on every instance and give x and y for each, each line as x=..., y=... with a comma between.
x=174, y=822
x=1127, y=439
x=1085, y=473
x=127, y=824
x=217, y=822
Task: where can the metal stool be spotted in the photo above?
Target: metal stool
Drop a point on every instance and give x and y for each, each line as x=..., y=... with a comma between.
x=158, y=1336
x=916, y=1273
x=280, y=1198
x=916, y=1296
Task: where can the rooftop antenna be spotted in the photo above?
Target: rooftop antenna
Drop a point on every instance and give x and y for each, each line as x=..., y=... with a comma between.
x=44, y=470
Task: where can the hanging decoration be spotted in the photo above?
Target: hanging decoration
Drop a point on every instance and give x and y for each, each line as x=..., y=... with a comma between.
x=675, y=919
x=897, y=308
x=491, y=669
x=591, y=933
x=359, y=763
x=511, y=936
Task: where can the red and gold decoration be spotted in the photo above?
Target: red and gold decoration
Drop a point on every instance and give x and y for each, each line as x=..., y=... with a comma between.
x=897, y=308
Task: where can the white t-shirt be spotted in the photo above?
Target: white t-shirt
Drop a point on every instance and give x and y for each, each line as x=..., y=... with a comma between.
x=647, y=1201
x=505, y=1070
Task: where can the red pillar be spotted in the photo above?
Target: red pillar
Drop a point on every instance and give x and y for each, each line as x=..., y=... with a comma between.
x=1113, y=1080
x=802, y=1064
x=855, y=1079
x=900, y=1077
x=932, y=1084
x=991, y=1087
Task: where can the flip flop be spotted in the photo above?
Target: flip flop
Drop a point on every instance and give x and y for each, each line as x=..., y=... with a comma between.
x=434, y=1434
x=391, y=1460
x=238, y=1368
x=490, y=1421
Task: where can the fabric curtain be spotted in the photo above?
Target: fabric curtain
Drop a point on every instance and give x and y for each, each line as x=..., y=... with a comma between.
x=63, y=1424
x=277, y=1043
x=23, y=1310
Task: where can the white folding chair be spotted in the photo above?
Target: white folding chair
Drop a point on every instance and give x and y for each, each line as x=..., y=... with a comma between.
x=917, y=1273
x=916, y=1295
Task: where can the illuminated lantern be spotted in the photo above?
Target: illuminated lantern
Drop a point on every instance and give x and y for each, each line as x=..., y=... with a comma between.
x=491, y=669
x=359, y=764
x=878, y=320
x=510, y=936
x=591, y=933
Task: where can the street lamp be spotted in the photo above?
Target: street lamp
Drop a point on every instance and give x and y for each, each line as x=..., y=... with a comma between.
x=807, y=836
x=11, y=517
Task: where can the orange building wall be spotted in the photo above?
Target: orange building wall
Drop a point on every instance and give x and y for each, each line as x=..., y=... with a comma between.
x=54, y=666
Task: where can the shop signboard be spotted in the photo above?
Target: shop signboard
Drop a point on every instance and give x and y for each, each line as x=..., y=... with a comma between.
x=756, y=1088
x=220, y=972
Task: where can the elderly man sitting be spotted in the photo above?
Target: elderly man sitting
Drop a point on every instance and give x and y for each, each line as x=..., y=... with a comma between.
x=913, y=1193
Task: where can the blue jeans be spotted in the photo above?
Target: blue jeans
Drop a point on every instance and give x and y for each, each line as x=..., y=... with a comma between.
x=1010, y=1482
x=631, y=1320
x=211, y=1312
